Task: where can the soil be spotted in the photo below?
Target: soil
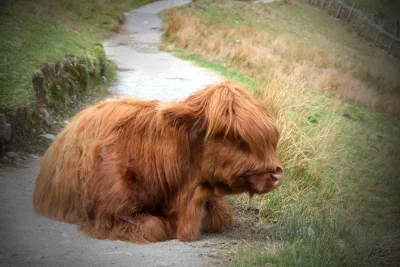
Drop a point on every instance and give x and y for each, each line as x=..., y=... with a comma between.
x=145, y=72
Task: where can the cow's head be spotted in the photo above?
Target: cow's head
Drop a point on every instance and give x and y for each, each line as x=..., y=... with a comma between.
x=232, y=136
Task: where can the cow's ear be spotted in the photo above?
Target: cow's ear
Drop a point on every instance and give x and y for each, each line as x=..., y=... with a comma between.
x=180, y=116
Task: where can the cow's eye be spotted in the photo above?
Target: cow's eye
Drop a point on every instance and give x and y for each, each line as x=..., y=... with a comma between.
x=244, y=146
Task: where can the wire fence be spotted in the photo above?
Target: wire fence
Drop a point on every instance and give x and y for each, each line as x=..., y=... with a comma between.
x=362, y=26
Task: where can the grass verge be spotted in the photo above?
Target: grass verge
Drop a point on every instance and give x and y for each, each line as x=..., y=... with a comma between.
x=339, y=205
x=58, y=42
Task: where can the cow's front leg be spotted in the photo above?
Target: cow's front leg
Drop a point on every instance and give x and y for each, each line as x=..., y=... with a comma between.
x=218, y=216
x=192, y=214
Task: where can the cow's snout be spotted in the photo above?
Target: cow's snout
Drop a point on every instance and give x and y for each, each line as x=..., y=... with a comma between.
x=277, y=176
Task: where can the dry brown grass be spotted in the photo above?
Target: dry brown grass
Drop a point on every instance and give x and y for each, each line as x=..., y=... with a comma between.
x=283, y=86
x=282, y=80
x=256, y=52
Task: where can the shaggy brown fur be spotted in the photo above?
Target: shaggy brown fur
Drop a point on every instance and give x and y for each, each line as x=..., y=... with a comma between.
x=147, y=171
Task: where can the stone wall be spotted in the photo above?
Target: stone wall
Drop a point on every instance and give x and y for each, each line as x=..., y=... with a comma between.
x=58, y=87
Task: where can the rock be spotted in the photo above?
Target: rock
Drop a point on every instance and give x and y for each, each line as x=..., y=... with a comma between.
x=50, y=137
x=308, y=231
x=45, y=116
x=5, y=131
x=13, y=156
x=44, y=113
x=346, y=115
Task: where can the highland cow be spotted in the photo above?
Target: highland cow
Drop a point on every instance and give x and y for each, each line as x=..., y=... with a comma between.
x=147, y=171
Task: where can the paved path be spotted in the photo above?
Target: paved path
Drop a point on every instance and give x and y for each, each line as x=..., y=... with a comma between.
x=29, y=240
x=145, y=71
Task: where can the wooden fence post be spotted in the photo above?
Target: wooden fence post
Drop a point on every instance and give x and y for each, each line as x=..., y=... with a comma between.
x=330, y=5
x=357, y=25
x=338, y=12
x=390, y=46
x=377, y=37
x=351, y=11
x=323, y=4
x=366, y=32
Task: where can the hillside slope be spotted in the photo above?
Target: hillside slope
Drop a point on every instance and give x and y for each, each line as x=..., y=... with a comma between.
x=336, y=101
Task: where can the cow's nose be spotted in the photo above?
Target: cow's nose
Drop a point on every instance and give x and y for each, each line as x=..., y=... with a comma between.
x=277, y=176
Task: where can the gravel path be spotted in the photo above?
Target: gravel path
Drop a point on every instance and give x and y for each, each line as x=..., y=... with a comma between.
x=29, y=240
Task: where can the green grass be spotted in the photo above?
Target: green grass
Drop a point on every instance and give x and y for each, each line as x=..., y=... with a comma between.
x=363, y=230
x=37, y=32
x=218, y=68
x=339, y=204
